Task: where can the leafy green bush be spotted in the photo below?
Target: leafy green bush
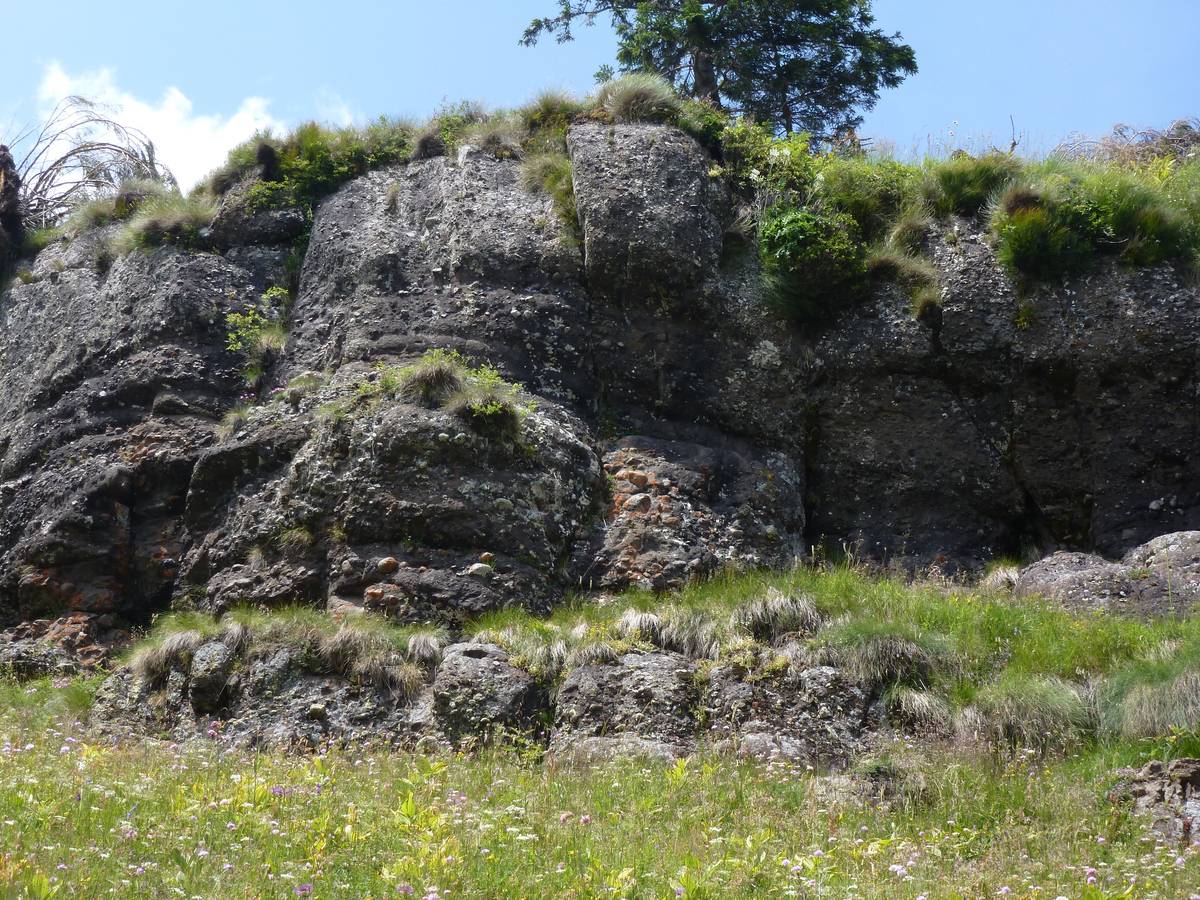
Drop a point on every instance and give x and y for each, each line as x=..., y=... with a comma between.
x=639, y=97
x=963, y=184
x=705, y=122
x=313, y=160
x=872, y=191
x=814, y=262
x=756, y=160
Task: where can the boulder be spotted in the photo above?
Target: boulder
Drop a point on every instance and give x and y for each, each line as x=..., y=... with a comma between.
x=478, y=692
x=644, y=703
x=1158, y=578
x=1167, y=793
x=811, y=716
x=652, y=216
x=241, y=221
x=208, y=677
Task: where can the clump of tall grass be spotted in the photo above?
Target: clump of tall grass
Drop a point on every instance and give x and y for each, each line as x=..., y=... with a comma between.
x=963, y=184
x=1027, y=711
x=367, y=648
x=166, y=219
x=550, y=174
x=115, y=207
x=639, y=97
x=916, y=276
x=882, y=654
x=1157, y=695
x=1060, y=217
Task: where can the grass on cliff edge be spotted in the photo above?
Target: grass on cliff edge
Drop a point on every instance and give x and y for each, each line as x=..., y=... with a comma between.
x=84, y=819
x=980, y=668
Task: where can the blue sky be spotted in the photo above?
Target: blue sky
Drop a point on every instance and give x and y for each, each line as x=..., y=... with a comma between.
x=198, y=76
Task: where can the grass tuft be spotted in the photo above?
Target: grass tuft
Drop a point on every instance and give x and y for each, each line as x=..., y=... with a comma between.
x=964, y=184
x=166, y=219
x=639, y=97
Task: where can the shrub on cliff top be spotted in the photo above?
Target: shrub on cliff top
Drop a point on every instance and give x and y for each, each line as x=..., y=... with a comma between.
x=814, y=262
x=1060, y=216
x=872, y=191
x=314, y=160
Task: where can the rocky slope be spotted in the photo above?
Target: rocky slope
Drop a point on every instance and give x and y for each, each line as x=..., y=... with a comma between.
x=676, y=426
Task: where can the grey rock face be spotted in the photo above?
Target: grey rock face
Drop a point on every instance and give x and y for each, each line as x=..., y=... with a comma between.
x=653, y=219
x=645, y=702
x=814, y=716
x=646, y=353
x=1167, y=793
x=476, y=691
x=681, y=510
x=240, y=223
x=1155, y=579
x=208, y=677
x=110, y=385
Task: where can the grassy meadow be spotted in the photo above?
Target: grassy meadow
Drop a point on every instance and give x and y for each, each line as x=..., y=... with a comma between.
x=962, y=818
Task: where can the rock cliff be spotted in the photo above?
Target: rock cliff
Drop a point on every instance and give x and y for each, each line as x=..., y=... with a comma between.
x=674, y=425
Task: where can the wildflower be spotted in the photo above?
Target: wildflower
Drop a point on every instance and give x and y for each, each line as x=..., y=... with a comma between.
x=1004, y=891
x=406, y=889
x=303, y=890
x=585, y=819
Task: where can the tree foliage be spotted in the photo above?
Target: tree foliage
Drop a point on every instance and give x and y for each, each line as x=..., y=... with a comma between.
x=800, y=65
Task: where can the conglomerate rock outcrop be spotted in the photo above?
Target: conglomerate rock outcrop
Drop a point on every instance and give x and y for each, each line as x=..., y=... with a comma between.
x=675, y=426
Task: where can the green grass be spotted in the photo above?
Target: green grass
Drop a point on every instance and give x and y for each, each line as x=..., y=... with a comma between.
x=550, y=174
x=86, y=819
x=964, y=184
x=1026, y=809
x=115, y=207
x=165, y=219
x=1057, y=218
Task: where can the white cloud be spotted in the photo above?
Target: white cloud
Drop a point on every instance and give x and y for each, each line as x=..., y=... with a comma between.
x=191, y=145
x=331, y=108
